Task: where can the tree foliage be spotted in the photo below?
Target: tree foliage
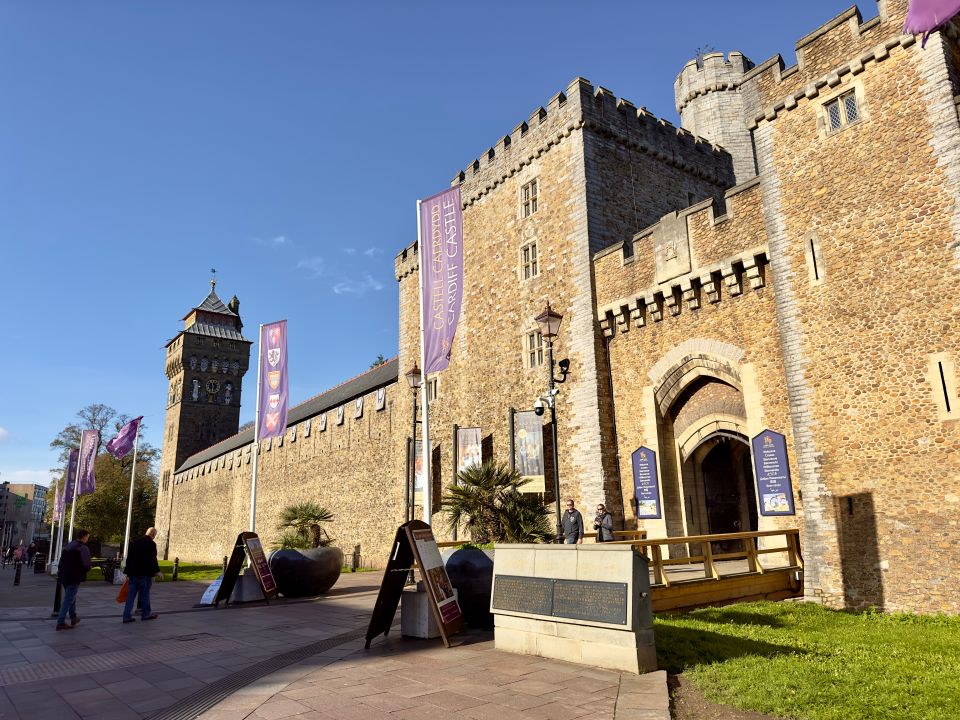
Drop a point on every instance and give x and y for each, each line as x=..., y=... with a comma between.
x=378, y=362
x=487, y=501
x=303, y=524
x=104, y=512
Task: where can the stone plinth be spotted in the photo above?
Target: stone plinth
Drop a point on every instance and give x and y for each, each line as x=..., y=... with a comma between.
x=587, y=604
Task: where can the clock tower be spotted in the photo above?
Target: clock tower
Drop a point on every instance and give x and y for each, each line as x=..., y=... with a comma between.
x=205, y=365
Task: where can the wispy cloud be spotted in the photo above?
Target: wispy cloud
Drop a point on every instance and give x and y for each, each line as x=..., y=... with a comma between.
x=315, y=265
x=371, y=251
x=349, y=250
x=357, y=287
x=37, y=477
x=4, y=434
x=277, y=241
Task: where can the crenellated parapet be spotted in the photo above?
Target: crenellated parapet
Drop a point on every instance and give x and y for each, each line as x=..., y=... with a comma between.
x=406, y=262
x=689, y=259
x=713, y=72
x=586, y=107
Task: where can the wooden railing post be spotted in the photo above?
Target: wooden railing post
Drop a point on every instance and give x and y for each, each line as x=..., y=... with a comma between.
x=792, y=550
x=659, y=576
x=709, y=571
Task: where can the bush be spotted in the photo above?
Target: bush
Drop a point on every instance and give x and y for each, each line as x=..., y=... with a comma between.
x=303, y=527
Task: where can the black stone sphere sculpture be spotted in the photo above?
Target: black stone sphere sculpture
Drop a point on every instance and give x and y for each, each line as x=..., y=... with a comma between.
x=471, y=573
x=306, y=573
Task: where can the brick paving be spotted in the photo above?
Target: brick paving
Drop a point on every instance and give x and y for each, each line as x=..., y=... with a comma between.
x=104, y=670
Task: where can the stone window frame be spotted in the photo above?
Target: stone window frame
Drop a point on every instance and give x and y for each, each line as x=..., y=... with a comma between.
x=812, y=251
x=854, y=90
x=433, y=388
x=530, y=203
x=529, y=261
x=533, y=349
x=942, y=375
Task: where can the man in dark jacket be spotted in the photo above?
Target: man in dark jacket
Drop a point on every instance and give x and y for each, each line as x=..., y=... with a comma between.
x=572, y=525
x=72, y=570
x=141, y=567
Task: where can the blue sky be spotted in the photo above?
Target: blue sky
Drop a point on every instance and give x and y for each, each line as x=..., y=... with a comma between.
x=285, y=145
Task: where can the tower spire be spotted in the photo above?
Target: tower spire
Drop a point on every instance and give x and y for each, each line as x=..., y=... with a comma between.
x=213, y=279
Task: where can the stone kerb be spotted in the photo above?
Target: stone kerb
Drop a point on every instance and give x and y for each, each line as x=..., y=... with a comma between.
x=626, y=646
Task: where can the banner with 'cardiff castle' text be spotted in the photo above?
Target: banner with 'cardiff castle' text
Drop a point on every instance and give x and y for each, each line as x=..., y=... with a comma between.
x=441, y=275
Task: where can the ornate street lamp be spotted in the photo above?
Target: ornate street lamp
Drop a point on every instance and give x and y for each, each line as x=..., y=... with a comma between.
x=549, y=321
x=414, y=379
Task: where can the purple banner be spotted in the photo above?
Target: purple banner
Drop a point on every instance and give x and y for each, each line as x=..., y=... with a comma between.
x=71, y=479
x=123, y=442
x=273, y=380
x=925, y=16
x=646, y=489
x=773, y=473
x=89, y=444
x=441, y=275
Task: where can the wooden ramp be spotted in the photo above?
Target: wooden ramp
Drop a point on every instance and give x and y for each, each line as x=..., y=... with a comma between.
x=711, y=578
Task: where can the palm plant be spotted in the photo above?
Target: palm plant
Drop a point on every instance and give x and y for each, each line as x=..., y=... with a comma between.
x=487, y=501
x=303, y=526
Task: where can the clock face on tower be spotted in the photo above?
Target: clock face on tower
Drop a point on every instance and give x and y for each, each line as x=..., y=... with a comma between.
x=213, y=387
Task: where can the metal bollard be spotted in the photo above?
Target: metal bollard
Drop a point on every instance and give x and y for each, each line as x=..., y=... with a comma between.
x=224, y=570
x=57, y=599
x=176, y=569
x=356, y=558
x=16, y=577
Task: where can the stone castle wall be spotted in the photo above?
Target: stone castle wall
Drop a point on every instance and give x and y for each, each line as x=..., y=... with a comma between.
x=354, y=469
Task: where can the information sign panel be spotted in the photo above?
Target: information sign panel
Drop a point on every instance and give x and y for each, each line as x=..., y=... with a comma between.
x=646, y=489
x=774, y=489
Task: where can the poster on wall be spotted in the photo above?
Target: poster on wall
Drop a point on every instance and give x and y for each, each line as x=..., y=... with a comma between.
x=646, y=489
x=528, y=449
x=469, y=451
x=774, y=489
x=418, y=470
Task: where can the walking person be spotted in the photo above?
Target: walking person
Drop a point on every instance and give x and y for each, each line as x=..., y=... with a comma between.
x=74, y=564
x=31, y=553
x=603, y=524
x=141, y=568
x=572, y=525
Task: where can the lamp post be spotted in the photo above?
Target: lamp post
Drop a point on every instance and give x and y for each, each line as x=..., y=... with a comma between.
x=549, y=321
x=414, y=378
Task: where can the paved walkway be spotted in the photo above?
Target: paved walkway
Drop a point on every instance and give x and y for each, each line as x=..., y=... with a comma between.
x=289, y=659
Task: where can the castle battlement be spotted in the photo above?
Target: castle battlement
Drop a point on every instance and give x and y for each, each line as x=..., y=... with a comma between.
x=712, y=73
x=595, y=108
x=407, y=261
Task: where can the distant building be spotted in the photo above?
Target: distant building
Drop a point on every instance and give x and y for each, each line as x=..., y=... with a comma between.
x=781, y=268
x=22, y=507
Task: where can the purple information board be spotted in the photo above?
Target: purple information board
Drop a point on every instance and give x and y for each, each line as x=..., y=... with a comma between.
x=774, y=489
x=645, y=486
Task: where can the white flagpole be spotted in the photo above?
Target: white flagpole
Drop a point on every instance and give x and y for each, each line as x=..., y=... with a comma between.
x=63, y=513
x=256, y=438
x=53, y=518
x=76, y=486
x=133, y=470
x=425, y=423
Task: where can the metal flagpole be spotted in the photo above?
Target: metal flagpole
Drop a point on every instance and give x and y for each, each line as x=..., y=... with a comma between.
x=256, y=437
x=63, y=519
x=133, y=471
x=53, y=518
x=76, y=484
x=425, y=423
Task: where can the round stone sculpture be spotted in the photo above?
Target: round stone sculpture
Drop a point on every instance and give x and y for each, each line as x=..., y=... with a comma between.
x=306, y=573
x=471, y=573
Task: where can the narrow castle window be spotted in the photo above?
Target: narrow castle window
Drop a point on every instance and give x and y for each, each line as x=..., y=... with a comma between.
x=433, y=389
x=528, y=198
x=941, y=373
x=815, y=266
x=534, y=348
x=842, y=111
x=529, y=264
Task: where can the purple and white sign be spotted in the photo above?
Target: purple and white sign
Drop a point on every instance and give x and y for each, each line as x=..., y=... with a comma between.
x=273, y=380
x=71, y=479
x=441, y=275
x=926, y=16
x=773, y=474
x=646, y=489
x=89, y=444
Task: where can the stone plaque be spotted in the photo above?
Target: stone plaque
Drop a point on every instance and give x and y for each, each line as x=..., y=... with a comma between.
x=604, y=602
x=515, y=593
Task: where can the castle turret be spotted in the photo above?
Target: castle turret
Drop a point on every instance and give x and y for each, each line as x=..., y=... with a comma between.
x=713, y=105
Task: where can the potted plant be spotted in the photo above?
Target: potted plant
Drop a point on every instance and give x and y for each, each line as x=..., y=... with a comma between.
x=488, y=503
x=305, y=562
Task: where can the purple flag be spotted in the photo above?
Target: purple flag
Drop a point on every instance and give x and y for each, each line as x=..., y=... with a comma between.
x=89, y=444
x=123, y=442
x=926, y=16
x=273, y=380
x=441, y=273
x=68, y=484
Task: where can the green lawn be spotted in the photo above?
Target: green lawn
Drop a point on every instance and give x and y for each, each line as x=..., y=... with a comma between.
x=190, y=571
x=800, y=660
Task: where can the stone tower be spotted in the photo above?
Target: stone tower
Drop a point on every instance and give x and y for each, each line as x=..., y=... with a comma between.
x=714, y=104
x=205, y=365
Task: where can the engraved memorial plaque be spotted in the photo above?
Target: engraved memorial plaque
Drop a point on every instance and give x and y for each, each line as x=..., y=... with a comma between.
x=593, y=601
x=514, y=593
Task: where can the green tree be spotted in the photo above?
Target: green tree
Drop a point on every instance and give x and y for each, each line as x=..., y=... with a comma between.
x=303, y=526
x=487, y=501
x=104, y=512
x=378, y=362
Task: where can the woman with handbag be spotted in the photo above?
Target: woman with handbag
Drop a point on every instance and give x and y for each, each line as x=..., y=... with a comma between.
x=603, y=524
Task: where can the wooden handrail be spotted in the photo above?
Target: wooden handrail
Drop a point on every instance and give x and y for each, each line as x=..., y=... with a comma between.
x=719, y=537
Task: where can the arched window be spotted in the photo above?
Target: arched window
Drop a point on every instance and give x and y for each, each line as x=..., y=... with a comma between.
x=204, y=364
x=216, y=365
x=193, y=362
x=236, y=367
